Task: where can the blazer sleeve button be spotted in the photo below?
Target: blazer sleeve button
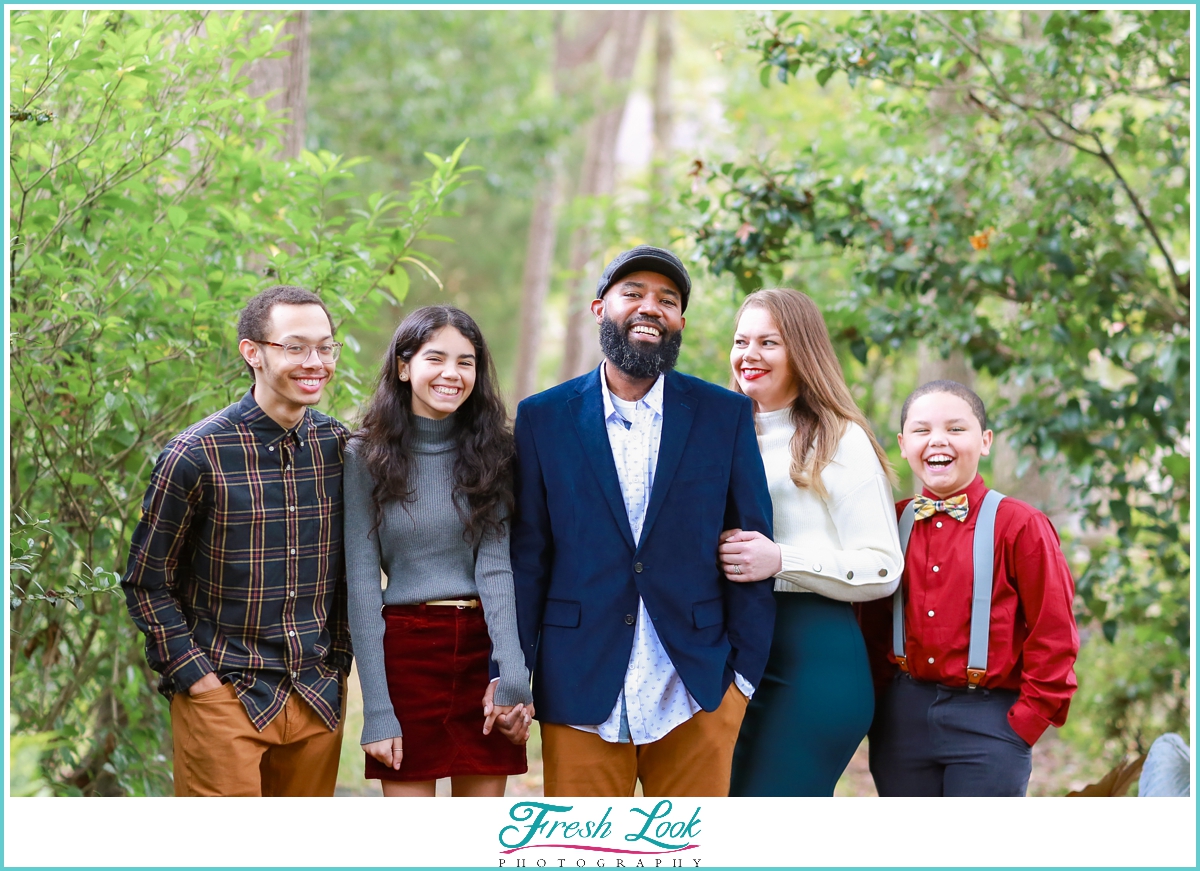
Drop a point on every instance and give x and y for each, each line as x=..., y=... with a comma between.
x=629, y=619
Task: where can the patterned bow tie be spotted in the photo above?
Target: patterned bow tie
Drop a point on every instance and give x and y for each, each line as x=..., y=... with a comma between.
x=955, y=506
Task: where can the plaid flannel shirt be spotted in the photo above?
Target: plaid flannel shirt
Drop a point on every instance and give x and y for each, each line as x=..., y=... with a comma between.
x=237, y=567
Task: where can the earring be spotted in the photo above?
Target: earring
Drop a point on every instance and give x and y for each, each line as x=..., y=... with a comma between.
x=403, y=376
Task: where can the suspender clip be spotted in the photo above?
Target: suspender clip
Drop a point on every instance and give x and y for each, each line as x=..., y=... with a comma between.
x=902, y=661
x=974, y=676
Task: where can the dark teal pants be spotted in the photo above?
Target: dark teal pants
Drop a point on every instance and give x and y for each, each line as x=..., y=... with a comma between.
x=813, y=706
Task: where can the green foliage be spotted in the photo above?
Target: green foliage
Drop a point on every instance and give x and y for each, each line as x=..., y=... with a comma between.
x=1030, y=184
x=706, y=340
x=25, y=754
x=1123, y=707
x=146, y=208
x=391, y=85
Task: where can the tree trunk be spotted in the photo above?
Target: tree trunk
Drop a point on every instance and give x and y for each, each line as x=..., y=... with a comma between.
x=535, y=283
x=583, y=243
x=286, y=79
x=598, y=180
x=663, y=107
x=572, y=50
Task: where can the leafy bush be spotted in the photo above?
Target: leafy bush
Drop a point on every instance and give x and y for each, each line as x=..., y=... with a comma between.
x=146, y=208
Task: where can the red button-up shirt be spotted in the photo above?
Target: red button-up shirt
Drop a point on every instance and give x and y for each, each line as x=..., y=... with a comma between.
x=1032, y=641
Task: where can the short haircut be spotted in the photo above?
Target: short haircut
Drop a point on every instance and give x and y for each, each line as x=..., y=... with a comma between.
x=252, y=323
x=962, y=391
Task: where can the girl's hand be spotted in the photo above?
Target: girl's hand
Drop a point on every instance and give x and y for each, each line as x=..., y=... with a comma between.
x=387, y=752
x=490, y=710
x=512, y=720
x=748, y=556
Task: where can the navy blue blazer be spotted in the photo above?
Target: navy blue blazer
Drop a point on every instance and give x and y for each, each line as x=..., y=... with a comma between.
x=578, y=573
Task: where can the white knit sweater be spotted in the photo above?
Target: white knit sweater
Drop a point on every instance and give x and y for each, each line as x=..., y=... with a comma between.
x=844, y=546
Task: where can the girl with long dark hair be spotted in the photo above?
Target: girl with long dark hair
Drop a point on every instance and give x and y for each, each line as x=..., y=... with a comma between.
x=428, y=493
x=835, y=543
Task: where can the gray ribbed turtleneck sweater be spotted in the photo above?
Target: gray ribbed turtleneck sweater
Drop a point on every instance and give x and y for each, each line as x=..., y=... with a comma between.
x=420, y=546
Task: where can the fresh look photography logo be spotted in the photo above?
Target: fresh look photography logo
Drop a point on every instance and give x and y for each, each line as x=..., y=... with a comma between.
x=639, y=839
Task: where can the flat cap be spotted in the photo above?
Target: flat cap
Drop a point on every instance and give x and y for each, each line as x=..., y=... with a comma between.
x=646, y=258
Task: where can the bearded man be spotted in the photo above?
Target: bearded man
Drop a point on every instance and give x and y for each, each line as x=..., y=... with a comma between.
x=643, y=657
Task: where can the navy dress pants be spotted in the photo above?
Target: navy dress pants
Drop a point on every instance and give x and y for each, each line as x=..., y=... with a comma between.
x=929, y=739
x=813, y=706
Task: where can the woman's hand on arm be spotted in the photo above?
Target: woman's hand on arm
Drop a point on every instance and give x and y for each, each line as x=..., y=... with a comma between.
x=387, y=752
x=748, y=556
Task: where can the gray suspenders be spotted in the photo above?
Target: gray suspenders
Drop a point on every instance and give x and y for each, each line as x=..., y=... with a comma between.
x=983, y=557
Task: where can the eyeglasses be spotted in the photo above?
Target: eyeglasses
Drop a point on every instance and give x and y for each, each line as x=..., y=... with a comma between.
x=297, y=353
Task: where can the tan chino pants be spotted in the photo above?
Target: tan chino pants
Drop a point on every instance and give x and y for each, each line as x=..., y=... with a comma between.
x=218, y=751
x=693, y=759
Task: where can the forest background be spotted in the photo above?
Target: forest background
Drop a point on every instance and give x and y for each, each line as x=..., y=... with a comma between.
x=1001, y=197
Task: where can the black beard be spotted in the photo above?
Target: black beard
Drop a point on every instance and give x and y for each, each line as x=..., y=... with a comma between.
x=635, y=361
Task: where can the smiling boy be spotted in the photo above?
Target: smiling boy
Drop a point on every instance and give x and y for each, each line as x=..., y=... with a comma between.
x=962, y=701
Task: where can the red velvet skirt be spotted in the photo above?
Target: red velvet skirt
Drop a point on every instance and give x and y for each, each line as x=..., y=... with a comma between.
x=436, y=657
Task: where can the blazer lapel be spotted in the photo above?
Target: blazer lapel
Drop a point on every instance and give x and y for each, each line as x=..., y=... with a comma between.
x=587, y=413
x=679, y=409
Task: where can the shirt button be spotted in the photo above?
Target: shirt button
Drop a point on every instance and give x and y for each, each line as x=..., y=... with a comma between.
x=930, y=613
x=849, y=576
x=295, y=674
x=637, y=567
x=288, y=467
x=292, y=593
x=271, y=448
x=293, y=508
x=939, y=524
x=883, y=573
x=629, y=619
x=292, y=632
x=293, y=550
x=931, y=660
x=936, y=569
x=816, y=567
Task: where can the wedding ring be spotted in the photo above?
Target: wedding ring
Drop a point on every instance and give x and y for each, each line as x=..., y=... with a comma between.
x=737, y=569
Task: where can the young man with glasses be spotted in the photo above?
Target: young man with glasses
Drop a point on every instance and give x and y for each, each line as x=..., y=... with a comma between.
x=236, y=573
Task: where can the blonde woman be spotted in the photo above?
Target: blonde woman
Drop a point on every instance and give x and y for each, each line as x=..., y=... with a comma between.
x=835, y=543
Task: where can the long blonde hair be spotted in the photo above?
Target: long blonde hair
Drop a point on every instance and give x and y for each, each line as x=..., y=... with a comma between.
x=823, y=407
